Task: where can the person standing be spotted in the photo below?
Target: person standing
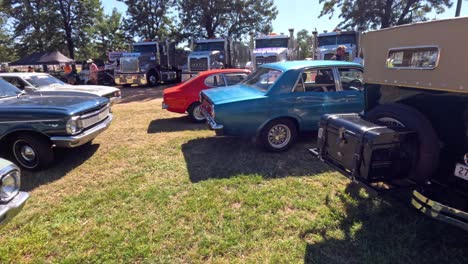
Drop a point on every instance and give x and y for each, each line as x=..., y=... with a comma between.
x=340, y=53
x=93, y=72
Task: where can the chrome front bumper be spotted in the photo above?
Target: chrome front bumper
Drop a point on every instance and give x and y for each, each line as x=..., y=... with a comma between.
x=210, y=121
x=439, y=211
x=12, y=208
x=82, y=138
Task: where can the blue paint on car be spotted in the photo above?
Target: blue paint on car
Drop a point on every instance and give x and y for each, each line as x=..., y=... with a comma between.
x=298, y=91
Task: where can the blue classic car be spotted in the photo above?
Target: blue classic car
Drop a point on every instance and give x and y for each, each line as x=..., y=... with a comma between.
x=32, y=125
x=279, y=100
x=11, y=199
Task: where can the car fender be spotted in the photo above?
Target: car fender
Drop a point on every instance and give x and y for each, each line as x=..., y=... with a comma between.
x=296, y=119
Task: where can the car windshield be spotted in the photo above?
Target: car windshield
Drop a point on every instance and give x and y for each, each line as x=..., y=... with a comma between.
x=43, y=80
x=262, y=78
x=208, y=46
x=8, y=90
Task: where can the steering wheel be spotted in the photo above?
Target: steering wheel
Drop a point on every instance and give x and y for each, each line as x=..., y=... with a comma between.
x=355, y=84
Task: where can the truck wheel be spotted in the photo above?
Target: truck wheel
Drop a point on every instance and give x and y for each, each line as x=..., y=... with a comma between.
x=278, y=135
x=195, y=113
x=427, y=148
x=32, y=152
x=152, y=79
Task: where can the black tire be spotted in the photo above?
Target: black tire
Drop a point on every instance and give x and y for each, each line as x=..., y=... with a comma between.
x=152, y=79
x=427, y=148
x=195, y=113
x=278, y=135
x=32, y=152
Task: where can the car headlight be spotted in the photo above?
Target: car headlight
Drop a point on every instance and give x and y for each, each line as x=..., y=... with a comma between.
x=10, y=184
x=73, y=126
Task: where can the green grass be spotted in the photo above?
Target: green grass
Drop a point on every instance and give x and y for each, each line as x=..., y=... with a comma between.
x=156, y=188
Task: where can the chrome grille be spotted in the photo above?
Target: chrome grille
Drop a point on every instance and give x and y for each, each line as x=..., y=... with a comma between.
x=198, y=64
x=129, y=65
x=259, y=60
x=94, y=117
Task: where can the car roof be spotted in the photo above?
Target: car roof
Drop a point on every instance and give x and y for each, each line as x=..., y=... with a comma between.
x=293, y=65
x=23, y=74
x=217, y=71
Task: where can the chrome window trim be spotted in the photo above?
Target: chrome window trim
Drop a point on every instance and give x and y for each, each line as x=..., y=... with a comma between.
x=413, y=47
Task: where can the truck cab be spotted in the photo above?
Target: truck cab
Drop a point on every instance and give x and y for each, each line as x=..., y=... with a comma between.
x=273, y=48
x=413, y=132
x=328, y=42
x=217, y=53
x=149, y=63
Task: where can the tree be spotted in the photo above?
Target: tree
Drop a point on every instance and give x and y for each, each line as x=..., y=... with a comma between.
x=211, y=18
x=373, y=14
x=34, y=27
x=7, y=52
x=76, y=19
x=149, y=19
x=109, y=33
x=303, y=43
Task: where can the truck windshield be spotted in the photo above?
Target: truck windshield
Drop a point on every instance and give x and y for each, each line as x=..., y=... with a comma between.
x=337, y=40
x=43, y=80
x=209, y=46
x=271, y=43
x=7, y=90
x=144, y=48
x=262, y=78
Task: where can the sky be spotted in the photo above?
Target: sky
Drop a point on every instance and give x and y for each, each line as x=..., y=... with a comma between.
x=300, y=14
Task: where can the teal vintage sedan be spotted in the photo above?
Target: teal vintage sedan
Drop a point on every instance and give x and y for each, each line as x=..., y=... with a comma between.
x=279, y=100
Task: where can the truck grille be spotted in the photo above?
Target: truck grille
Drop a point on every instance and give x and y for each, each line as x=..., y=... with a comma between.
x=259, y=60
x=198, y=64
x=95, y=117
x=129, y=65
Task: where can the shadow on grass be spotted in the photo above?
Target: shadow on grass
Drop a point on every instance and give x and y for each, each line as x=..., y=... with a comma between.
x=141, y=94
x=174, y=124
x=65, y=161
x=381, y=230
x=225, y=157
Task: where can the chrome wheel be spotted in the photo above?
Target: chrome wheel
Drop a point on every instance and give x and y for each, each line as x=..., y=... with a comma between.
x=197, y=114
x=279, y=136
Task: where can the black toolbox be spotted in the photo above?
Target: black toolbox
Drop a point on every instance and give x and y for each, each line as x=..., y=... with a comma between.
x=363, y=150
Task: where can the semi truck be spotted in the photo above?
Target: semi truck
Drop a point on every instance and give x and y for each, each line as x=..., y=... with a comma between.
x=413, y=132
x=329, y=41
x=149, y=63
x=218, y=53
x=273, y=48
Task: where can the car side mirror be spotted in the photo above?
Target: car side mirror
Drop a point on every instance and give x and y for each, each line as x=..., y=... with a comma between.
x=30, y=88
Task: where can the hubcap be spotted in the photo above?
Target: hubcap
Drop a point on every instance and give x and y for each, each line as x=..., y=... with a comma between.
x=152, y=79
x=28, y=153
x=279, y=136
x=197, y=113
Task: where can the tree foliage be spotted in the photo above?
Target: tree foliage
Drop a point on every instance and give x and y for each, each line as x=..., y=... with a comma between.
x=304, y=41
x=373, y=14
x=76, y=19
x=149, y=19
x=215, y=18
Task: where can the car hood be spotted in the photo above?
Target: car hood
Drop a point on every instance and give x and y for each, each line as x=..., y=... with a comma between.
x=239, y=92
x=66, y=104
x=99, y=90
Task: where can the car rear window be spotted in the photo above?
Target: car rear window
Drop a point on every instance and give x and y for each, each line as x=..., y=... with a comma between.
x=263, y=78
x=234, y=78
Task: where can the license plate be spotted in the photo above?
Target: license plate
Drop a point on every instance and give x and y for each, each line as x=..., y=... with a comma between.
x=461, y=171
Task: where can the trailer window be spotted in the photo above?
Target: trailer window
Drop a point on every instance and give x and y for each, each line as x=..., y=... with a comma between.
x=413, y=58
